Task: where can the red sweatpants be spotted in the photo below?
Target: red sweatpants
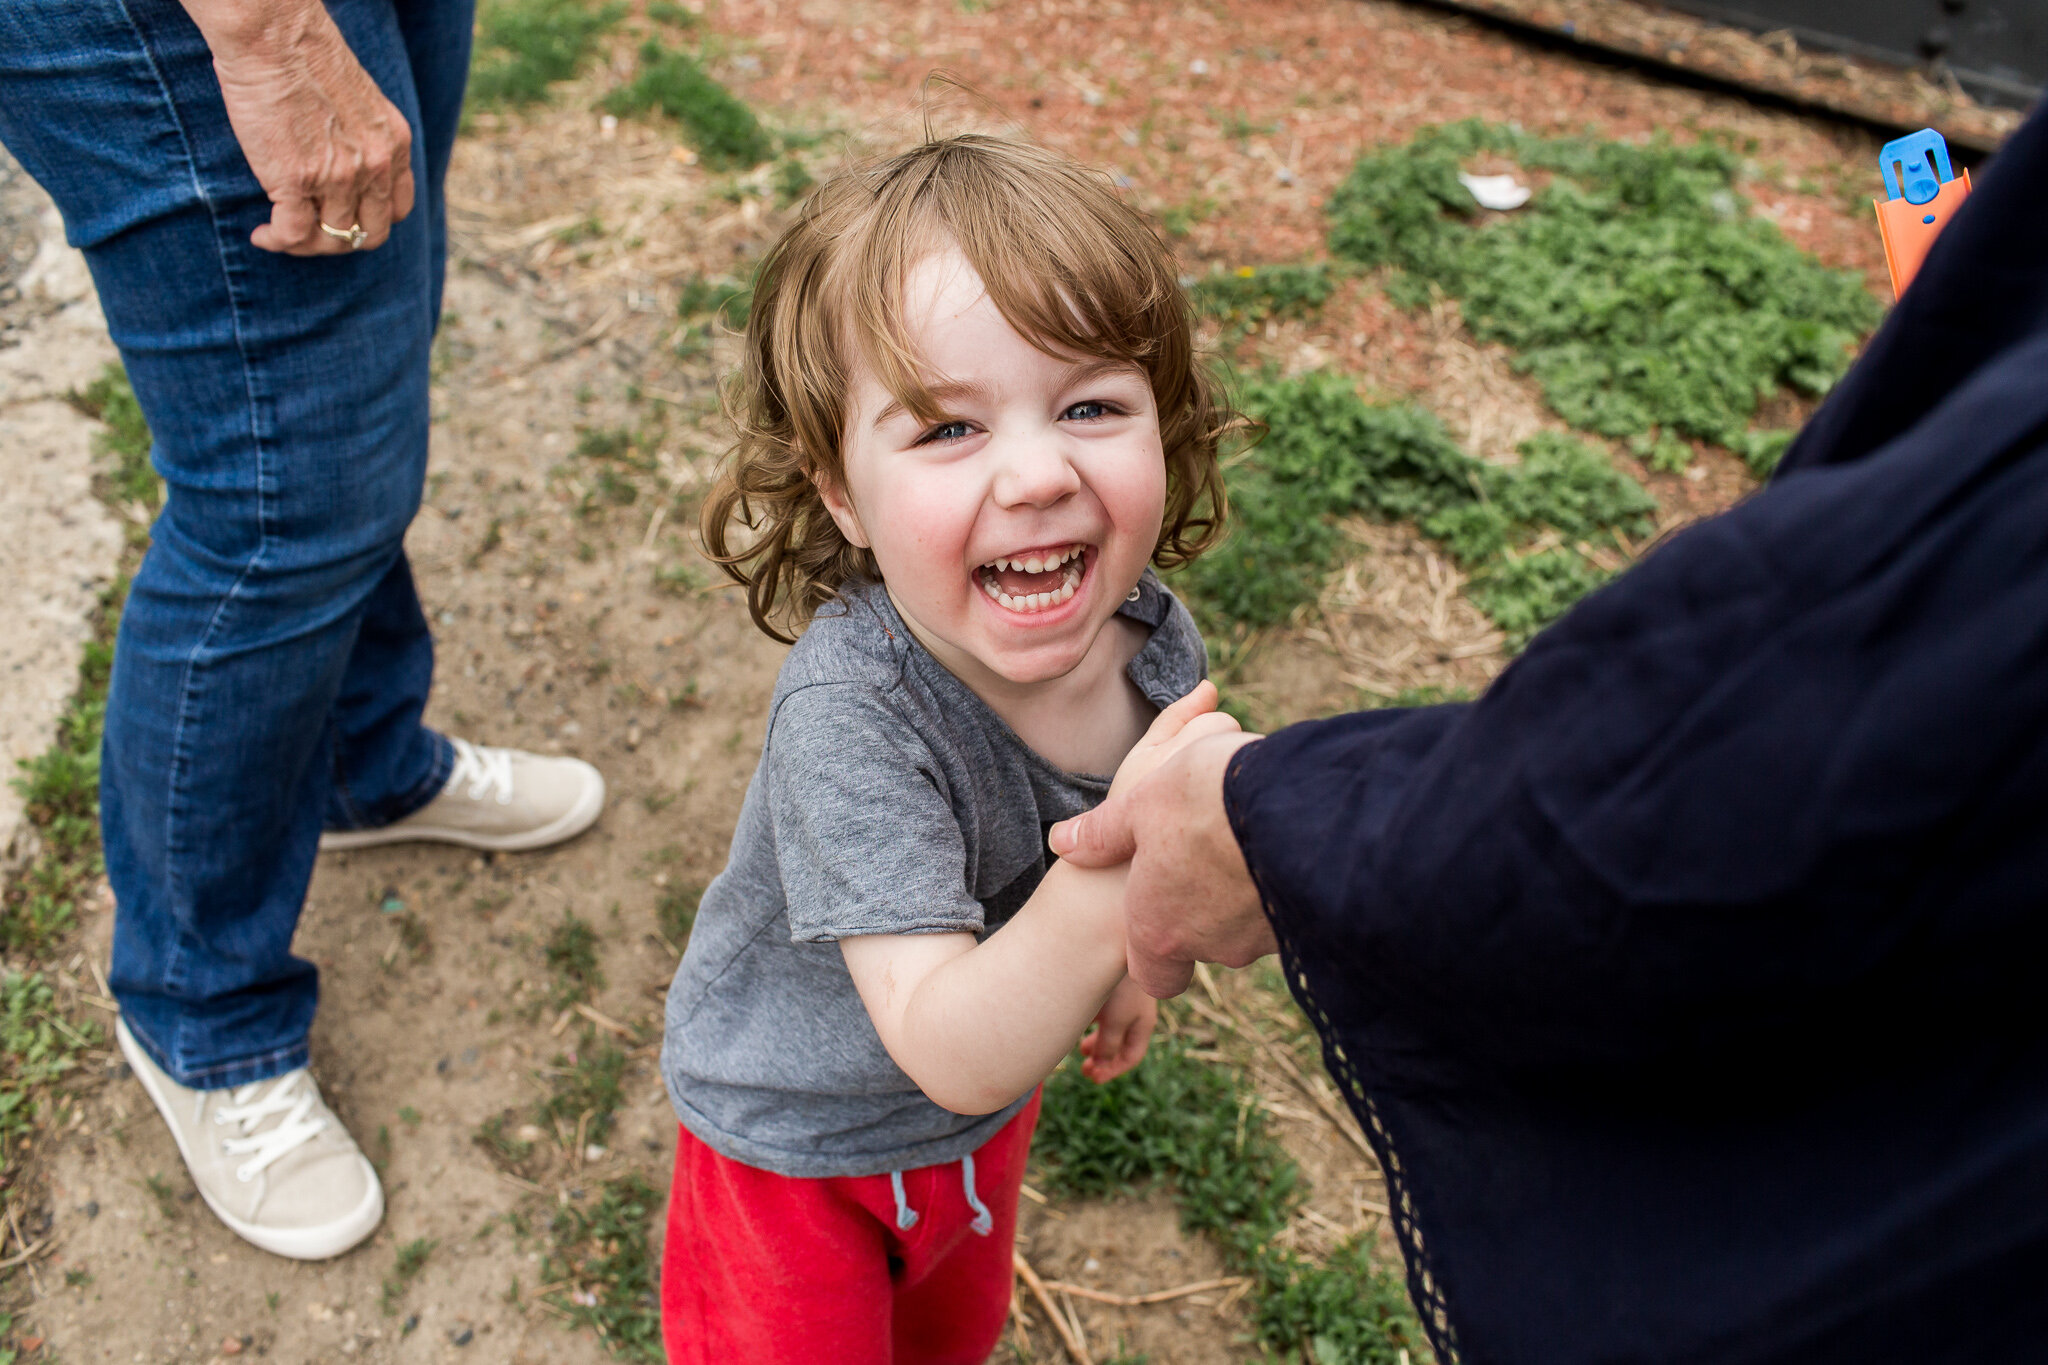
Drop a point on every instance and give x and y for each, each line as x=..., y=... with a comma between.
x=761, y=1269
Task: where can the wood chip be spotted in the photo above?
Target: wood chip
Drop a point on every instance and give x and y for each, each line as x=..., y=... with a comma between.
x=1141, y=1300
x=1077, y=1350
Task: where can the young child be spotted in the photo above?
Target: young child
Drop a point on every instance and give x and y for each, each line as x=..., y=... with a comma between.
x=970, y=417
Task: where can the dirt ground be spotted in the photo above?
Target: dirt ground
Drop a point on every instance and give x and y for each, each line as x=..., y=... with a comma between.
x=573, y=620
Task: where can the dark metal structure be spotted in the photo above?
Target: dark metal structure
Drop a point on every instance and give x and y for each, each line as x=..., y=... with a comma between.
x=1997, y=49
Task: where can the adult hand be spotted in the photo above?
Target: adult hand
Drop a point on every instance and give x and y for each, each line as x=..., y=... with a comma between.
x=323, y=141
x=1189, y=898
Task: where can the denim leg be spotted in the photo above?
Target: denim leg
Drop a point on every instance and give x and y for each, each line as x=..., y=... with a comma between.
x=288, y=401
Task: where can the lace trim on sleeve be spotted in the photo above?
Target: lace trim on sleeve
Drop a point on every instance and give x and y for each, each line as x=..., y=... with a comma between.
x=1423, y=1287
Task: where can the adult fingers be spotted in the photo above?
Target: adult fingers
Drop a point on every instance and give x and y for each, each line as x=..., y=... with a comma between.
x=1102, y=837
x=1159, y=976
x=340, y=209
x=402, y=190
x=374, y=215
x=294, y=228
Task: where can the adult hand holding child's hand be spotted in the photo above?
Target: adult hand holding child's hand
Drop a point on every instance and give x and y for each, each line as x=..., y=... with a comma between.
x=1190, y=897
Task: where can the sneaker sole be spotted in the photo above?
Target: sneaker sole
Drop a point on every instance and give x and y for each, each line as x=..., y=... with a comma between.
x=568, y=825
x=297, y=1244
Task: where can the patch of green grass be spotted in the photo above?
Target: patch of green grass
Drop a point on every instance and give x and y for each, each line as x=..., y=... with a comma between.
x=1200, y=1128
x=60, y=795
x=792, y=181
x=1636, y=287
x=111, y=400
x=600, y=1257
x=590, y=1090
x=37, y=1048
x=525, y=46
x=679, y=580
x=160, y=1190
x=497, y=1135
x=1250, y=294
x=676, y=911
x=668, y=12
x=1328, y=453
x=720, y=126
x=604, y=443
x=702, y=296
x=405, y=1268
x=571, y=956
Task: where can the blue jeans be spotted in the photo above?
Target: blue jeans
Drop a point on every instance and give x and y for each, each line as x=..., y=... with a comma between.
x=273, y=661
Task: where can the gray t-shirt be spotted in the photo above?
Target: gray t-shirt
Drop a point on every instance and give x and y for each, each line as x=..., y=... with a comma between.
x=889, y=800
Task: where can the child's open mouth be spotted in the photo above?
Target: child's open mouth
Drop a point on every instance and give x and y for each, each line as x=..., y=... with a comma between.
x=1034, y=582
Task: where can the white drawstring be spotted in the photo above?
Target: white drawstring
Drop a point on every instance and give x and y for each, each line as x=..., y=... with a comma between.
x=906, y=1216
x=288, y=1098
x=485, y=770
x=984, y=1222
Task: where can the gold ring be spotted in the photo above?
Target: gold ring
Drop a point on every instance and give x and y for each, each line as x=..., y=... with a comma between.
x=353, y=234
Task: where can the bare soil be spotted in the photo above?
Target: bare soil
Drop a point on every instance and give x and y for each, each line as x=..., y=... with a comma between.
x=564, y=626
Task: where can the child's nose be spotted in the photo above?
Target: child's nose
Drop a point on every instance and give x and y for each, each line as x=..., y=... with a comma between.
x=1033, y=472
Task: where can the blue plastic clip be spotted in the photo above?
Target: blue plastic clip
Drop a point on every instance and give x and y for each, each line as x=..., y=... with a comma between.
x=1921, y=161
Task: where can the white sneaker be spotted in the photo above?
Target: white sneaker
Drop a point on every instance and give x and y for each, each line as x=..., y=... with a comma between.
x=498, y=799
x=270, y=1159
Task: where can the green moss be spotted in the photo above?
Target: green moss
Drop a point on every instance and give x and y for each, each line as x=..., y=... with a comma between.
x=724, y=130
x=1636, y=287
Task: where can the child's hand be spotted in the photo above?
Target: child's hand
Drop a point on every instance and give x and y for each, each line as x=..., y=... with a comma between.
x=1191, y=718
x=1122, y=1031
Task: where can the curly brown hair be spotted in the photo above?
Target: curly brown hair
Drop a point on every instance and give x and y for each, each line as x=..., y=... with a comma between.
x=1076, y=270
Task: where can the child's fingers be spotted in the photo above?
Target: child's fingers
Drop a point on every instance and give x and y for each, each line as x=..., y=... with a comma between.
x=1172, y=719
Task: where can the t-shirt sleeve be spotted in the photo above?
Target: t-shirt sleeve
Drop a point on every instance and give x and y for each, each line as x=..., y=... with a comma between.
x=866, y=838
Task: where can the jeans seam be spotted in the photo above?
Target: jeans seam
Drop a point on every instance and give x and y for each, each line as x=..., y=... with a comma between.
x=173, y=970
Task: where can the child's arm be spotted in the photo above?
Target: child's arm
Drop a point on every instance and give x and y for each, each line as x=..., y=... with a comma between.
x=978, y=1024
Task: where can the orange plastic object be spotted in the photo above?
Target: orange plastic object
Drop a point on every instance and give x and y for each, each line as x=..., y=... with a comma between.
x=1909, y=229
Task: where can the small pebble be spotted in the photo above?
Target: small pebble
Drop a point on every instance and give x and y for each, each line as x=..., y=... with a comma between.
x=1198, y=67
x=410, y=1325
x=463, y=1337
x=91, y=1208
x=231, y=1347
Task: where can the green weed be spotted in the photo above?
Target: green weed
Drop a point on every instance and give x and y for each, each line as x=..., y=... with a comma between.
x=497, y=1136
x=792, y=181
x=702, y=297
x=676, y=911
x=600, y=1255
x=571, y=956
x=111, y=400
x=37, y=1048
x=588, y=1095
x=524, y=46
x=405, y=1268
x=1251, y=294
x=724, y=130
x=1636, y=288
x=604, y=443
x=1328, y=453
x=1200, y=1128
x=668, y=12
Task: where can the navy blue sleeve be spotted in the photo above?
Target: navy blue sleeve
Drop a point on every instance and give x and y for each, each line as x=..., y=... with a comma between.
x=1688, y=983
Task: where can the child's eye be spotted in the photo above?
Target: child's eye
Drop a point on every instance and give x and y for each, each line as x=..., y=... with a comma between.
x=946, y=431
x=1092, y=410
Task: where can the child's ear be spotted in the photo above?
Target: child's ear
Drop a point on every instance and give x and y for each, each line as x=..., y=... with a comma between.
x=833, y=494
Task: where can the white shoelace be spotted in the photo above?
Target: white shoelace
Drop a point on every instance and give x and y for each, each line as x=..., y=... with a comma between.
x=484, y=770
x=287, y=1097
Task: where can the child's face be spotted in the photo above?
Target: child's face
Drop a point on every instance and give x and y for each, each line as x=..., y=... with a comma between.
x=1037, y=462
